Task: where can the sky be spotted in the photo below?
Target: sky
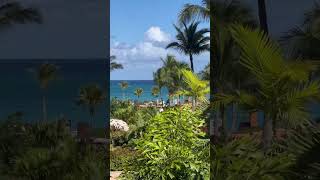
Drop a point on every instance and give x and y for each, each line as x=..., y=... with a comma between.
x=71, y=29
x=140, y=30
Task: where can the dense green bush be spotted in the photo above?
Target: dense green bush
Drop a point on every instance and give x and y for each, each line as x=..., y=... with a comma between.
x=122, y=109
x=120, y=157
x=171, y=148
x=244, y=159
x=304, y=143
x=137, y=118
x=46, y=151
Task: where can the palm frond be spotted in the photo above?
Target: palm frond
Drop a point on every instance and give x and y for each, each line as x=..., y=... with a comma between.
x=14, y=12
x=194, y=12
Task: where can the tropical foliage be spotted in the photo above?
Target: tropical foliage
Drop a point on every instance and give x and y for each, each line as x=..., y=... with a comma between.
x=191, y=41
x=243, y=159
x=304, y=40
x=155, y=91
x=283, y=87
x=45, y=151
x=305, y=144
x=14, y=13
x=138, y=92
x=123, y=85
x=169, y=75
x=195, y=88
x=45, y=74
x=90, y=97
x=169, y=149
x=114, y=65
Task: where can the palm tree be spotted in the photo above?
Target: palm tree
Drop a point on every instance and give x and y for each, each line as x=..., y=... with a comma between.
x=205, y=73
x=169, y=75
x=123, y=85
x=138, y=92
x=305, y=144
x=114, y=65
x=14, y=12
x=90, y=97
x=263, y=16
x=155, y=91
x=191, y=41
x=283, y=88
x=196, y=88
x=223, y=52
x=45, y=74
x=304, y=40
x=221, y=15
x=159, y=79
x=195, y=11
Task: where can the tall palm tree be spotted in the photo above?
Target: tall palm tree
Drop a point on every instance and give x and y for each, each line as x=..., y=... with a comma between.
x=205, y=73
x=191, y=41
x=194, y=11
x=45, y=74
x=13, y=12
x=304, y=40
x=263, y=16
x=123, y=85
x=221, y=15
x=159, y=79
x=196, y=88
x=169, y=75
x=283, y=89
x=114, y=65
x=138, y=92
x=90, y=97
x=155, y=91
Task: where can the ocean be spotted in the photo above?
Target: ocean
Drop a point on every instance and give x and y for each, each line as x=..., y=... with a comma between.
x=146, y=85
x=20, y=91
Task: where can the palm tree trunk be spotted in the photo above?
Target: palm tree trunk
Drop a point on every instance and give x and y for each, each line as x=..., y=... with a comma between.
x=263, y=16
x=223, y=122
x=160, y=96
x=92, y=116
x=44, y=107
x=194, y=103
x=191, y=62
x=212, y=118
x=267, y=133
x=234, y=117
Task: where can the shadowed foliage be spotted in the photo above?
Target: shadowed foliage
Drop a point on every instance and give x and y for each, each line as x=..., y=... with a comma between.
x=14, y=13
x=114, y=65
x=90, y=97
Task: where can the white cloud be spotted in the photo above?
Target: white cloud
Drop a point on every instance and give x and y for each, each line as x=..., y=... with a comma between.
x=144, y=56
x=154, y=34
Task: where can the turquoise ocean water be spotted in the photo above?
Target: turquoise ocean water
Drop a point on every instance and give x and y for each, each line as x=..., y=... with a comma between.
x=146, y=85
x=20, y=92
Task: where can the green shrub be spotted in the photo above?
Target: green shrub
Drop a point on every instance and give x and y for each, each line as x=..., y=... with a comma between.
x=244, y=159
x=171, y=148
x=137, y=118
x=46, y=151
x=119, y=138
x=122, y=109
x=119, y=157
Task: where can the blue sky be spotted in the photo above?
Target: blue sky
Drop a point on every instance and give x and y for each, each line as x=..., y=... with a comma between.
x=140, y=30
